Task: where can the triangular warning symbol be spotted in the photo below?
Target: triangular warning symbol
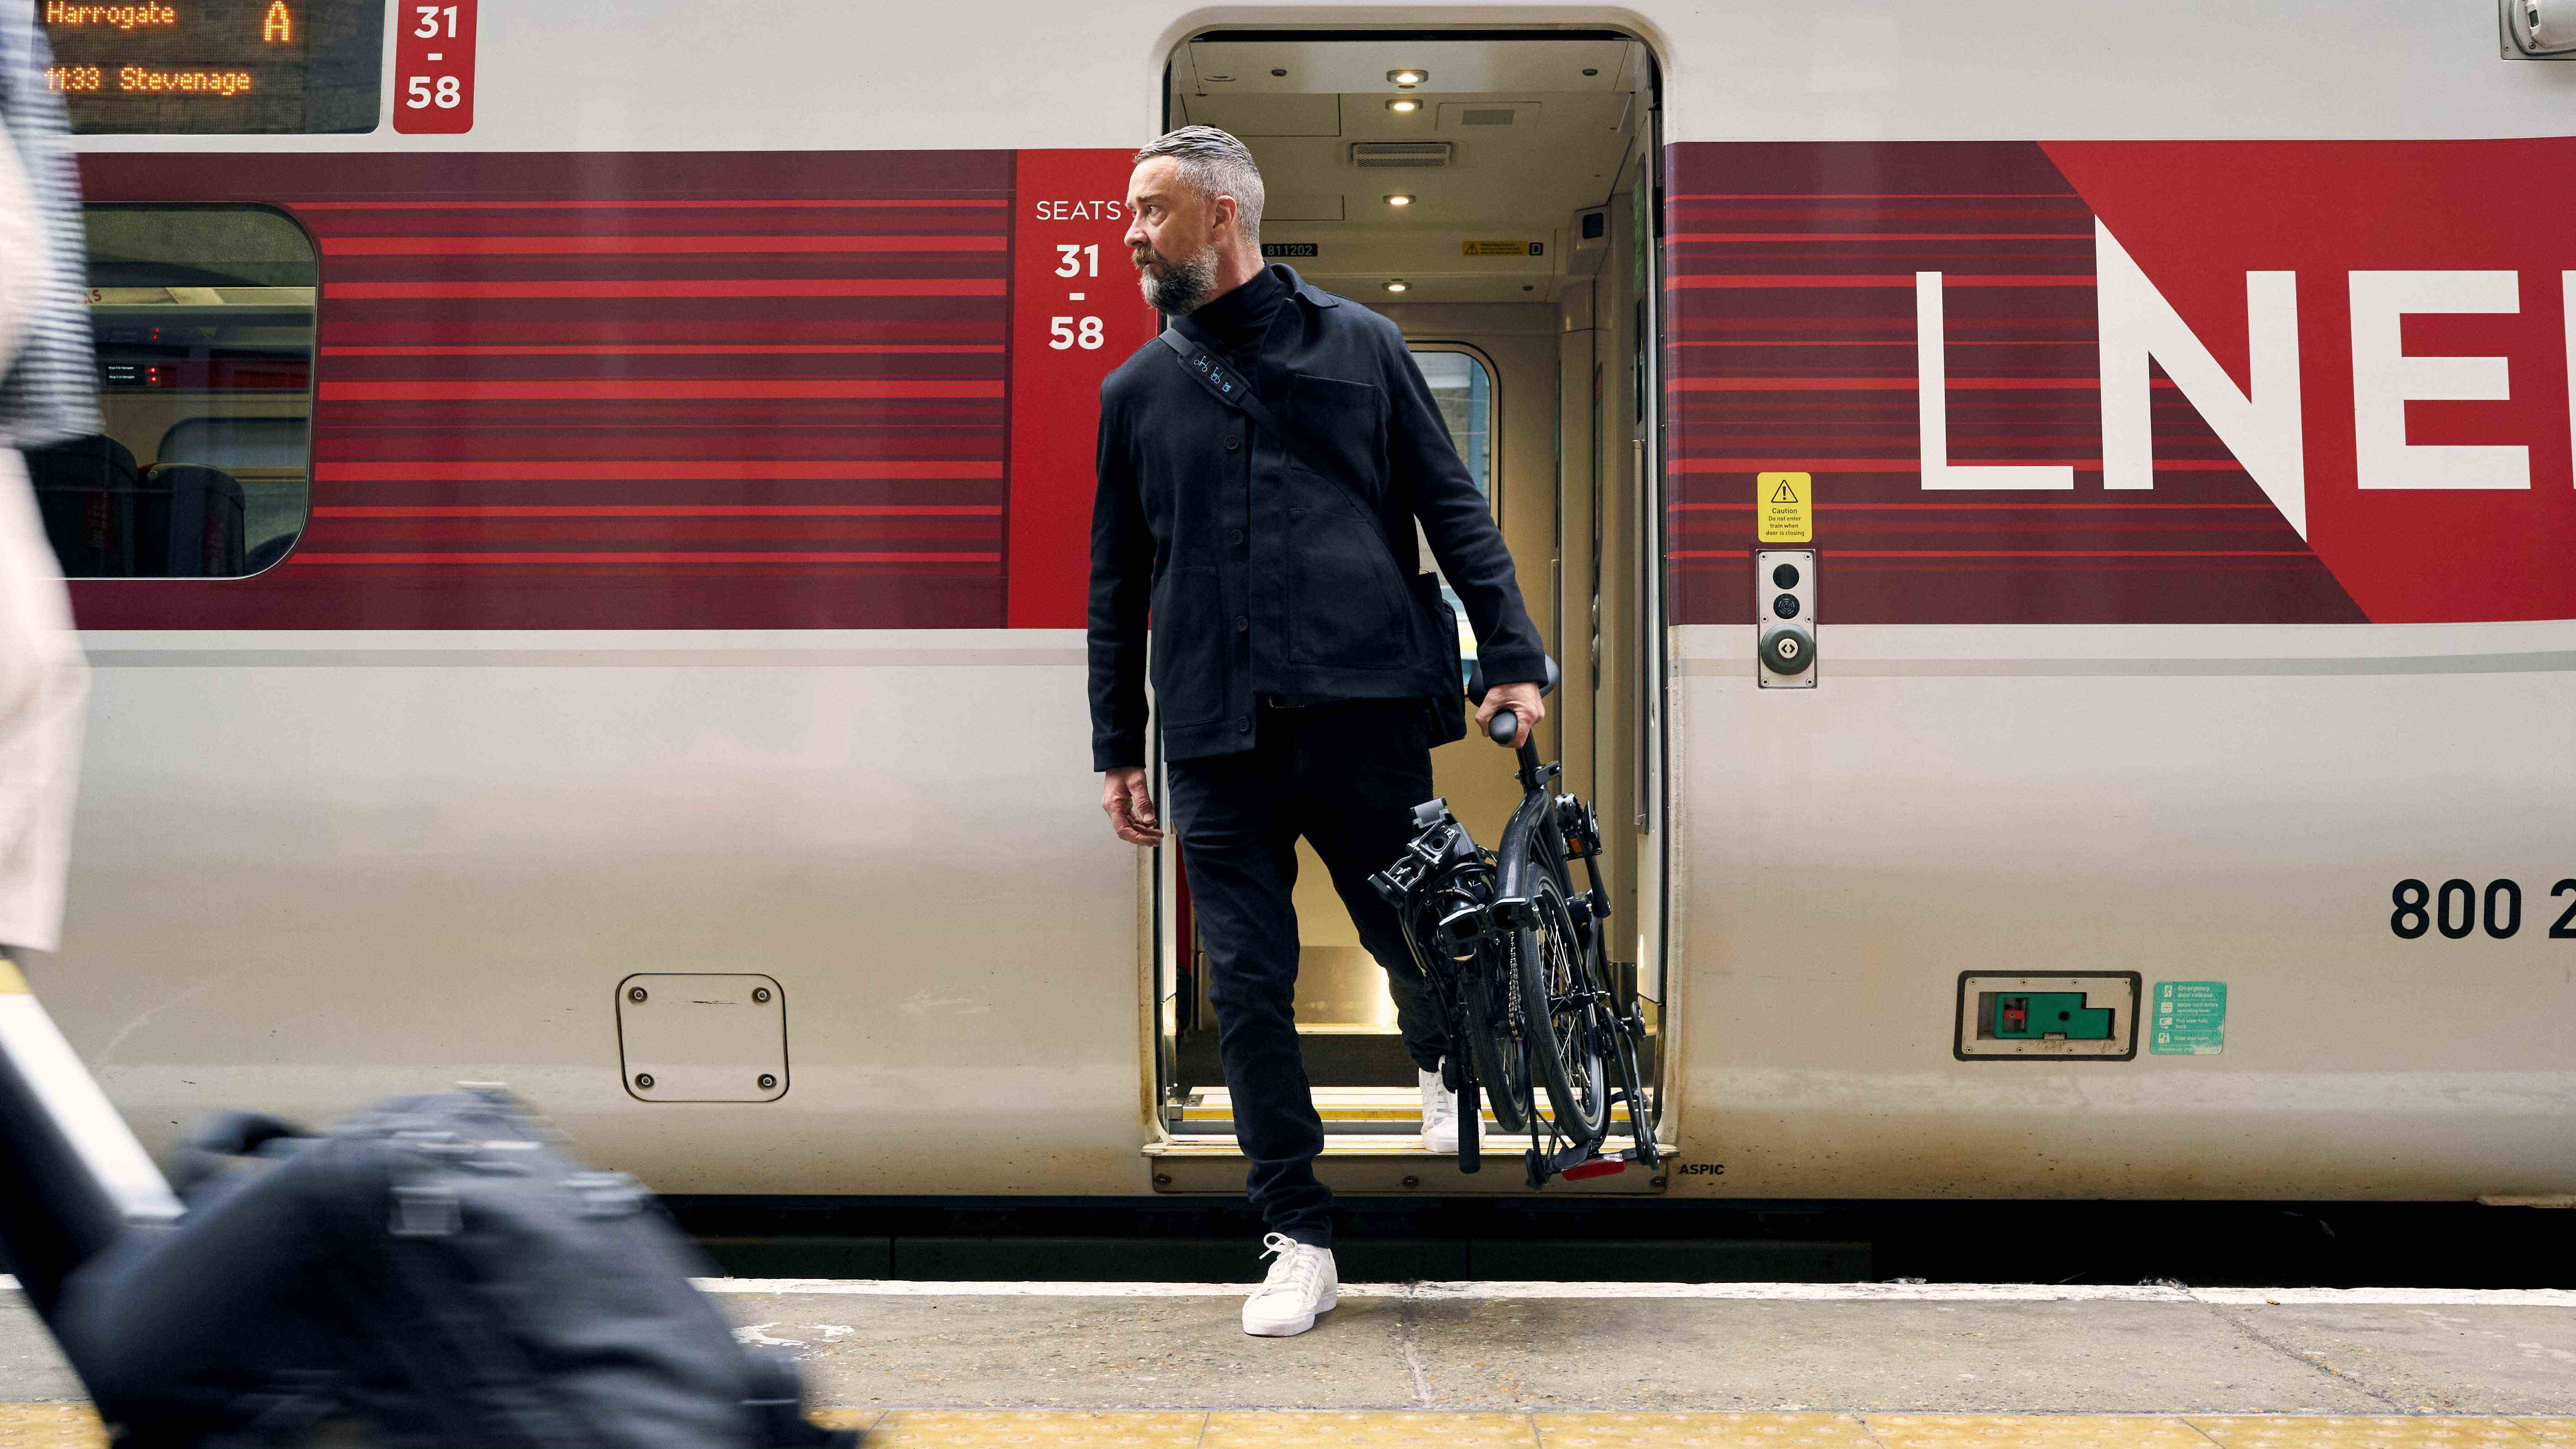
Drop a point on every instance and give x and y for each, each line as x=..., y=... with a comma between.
x=1784, y=493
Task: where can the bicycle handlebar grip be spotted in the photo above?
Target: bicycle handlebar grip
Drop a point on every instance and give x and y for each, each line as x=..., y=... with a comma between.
x=1503, y=726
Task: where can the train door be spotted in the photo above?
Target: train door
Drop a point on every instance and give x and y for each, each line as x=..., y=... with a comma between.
x=1492, y=196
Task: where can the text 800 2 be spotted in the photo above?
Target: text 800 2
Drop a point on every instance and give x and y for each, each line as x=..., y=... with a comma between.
x=2458, y=907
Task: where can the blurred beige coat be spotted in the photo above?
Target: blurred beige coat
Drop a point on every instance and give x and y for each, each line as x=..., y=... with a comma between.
x=44, y=682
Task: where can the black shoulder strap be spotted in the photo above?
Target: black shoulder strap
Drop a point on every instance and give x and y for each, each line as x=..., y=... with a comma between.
x=1232, y=389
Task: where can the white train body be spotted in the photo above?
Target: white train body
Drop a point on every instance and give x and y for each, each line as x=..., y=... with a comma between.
x=357, y=826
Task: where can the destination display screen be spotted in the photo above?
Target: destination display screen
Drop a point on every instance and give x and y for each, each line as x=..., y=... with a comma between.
x=221, y=67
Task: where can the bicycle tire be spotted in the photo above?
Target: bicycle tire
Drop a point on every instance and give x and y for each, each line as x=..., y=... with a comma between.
x=1502, y=1066
x=1560, y=1002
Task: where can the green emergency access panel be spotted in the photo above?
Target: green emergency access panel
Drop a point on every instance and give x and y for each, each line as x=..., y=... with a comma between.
x=2033, y=1015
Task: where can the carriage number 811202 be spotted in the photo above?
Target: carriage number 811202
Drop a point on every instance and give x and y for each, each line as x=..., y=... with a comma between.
x=2457, y=907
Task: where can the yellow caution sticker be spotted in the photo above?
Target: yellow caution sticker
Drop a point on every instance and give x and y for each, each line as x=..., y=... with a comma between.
x=1502, y=249
x=1785, y=505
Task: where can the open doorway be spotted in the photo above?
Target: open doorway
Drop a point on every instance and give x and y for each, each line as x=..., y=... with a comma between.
x=1493, y=196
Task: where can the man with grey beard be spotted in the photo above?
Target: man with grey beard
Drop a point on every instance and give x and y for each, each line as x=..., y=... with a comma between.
x=1262, y=467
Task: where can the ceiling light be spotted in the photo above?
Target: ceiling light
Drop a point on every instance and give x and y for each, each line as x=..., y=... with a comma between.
x=1408, y=76
x=1395, y=286
x=1399, y=199
x=1404, y=107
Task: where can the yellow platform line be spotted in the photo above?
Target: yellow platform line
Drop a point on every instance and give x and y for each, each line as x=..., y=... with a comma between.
x=73, y=1426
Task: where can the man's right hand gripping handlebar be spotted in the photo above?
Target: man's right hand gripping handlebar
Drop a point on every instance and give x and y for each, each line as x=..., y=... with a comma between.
x=1125, y=798
x=1507, y=712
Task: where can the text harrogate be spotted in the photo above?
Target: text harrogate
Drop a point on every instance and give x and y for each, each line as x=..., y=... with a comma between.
x=123, y=17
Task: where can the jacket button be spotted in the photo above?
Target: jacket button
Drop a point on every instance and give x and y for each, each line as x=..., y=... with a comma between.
x=1242, y=623
x=1242, y=724
x=1232, y=442
x=1235, y=537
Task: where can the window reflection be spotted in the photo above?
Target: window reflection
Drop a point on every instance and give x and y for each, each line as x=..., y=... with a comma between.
x=204, y=320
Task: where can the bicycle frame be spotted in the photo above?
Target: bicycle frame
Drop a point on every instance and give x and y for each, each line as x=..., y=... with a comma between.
x=1537, y=818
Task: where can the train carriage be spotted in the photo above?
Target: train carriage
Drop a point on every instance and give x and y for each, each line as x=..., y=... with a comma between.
x=584, y=568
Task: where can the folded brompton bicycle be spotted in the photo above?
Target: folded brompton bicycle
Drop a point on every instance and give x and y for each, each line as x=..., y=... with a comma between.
x=1515, y=958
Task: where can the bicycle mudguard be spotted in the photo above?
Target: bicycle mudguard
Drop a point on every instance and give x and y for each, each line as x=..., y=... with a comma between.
x=1514, y=885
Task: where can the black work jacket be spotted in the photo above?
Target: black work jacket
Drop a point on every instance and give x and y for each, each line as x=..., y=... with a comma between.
x=1262, y=578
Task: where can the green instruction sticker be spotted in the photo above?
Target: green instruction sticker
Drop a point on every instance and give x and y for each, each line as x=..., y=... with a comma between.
x=2187, y=1018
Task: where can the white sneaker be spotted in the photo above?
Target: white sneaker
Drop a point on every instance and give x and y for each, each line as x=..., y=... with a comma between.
x=1302, y=1283
x=1439, y=1114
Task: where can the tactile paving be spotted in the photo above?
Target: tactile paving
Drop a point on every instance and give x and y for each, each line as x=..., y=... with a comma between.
x=73, y=1426
x=1311, y=1430
x=1701, y=1431
x=1044, y=1429
x=2037, y=1431
x=50, y=1426
x=2327, y=1431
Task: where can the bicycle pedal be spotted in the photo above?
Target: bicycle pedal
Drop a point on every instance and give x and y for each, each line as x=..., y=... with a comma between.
x=1460, y=927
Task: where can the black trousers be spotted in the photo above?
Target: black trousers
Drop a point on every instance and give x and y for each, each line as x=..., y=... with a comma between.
x=1345, y=776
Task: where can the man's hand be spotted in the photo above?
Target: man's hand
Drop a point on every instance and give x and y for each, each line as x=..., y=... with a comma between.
x=1520, y=699
x=1130, y=805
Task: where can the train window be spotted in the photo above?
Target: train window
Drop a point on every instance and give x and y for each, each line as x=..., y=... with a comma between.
x=204, y=319
x=1464, y=389
x=1465, y=392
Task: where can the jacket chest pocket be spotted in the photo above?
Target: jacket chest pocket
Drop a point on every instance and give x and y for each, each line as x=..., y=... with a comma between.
x=1343, y=425
x=1348, y=609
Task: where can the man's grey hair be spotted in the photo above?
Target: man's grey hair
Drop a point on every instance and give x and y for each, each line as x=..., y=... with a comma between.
x=1215, y=164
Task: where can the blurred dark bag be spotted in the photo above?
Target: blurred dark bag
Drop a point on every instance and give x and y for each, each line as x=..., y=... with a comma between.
x=434, y=1272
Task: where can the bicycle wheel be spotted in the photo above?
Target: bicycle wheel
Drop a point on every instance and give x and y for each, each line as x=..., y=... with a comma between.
x=1502, y=1063
x=1567, y=1034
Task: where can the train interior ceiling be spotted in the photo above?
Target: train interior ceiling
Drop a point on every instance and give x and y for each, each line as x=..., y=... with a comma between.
x=1484, y=193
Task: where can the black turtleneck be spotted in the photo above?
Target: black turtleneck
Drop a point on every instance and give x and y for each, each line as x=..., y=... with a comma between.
x=1238, y=321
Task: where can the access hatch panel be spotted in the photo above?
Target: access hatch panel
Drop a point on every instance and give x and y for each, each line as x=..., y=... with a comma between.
x=685, y=1037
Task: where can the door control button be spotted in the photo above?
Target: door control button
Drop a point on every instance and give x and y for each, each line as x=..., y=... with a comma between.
x=1785, y=634
x=1789, y=651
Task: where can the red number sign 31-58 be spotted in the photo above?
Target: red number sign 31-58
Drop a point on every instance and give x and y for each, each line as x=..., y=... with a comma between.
x=434, y=68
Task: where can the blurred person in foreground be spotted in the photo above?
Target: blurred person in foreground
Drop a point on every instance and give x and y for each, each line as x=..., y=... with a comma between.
x=47, y=394
x=61, y=1199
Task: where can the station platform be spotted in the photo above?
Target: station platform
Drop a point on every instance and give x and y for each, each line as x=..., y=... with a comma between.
x=1591, y=1366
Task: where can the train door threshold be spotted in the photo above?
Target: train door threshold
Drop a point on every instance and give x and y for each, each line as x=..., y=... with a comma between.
x=1372, y=1144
